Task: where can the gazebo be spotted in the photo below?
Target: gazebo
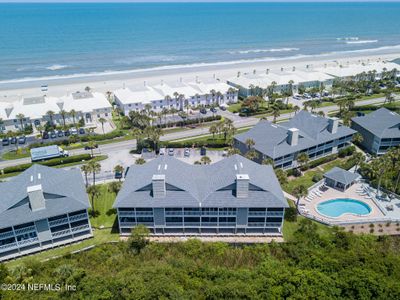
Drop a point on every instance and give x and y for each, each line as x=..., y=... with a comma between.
x=340, y=179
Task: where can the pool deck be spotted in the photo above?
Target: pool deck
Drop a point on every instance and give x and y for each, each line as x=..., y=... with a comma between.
x=309, y=207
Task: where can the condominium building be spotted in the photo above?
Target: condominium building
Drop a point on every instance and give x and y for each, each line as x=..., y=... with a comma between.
x=380, y=130
x=178, y=95
x=35, y=110
x=232, y=196
x=304, y=133
x=42, y=208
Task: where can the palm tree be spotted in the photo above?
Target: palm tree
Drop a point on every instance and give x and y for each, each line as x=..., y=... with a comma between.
x=119, y=169
x=321, y=113
x=95, y=167
x=357, y=158
x=50, y=113
x=233, y=151
x=140, y=161
x=388, y=97
x=357, y=138
x=299, y=192
x=296, y=109
x=93, y=192
x=91, y=145
x=167, y=99
x=86, y=170
x=251, y=154
x=213, y=130
x=379, y=168
x=63, y=114
x=303, y=159
x=205, y=160
x=21, y=117
x=72, y=113
x=267, y=161
x=249, y=143
x=275, y=112
x=102, y=121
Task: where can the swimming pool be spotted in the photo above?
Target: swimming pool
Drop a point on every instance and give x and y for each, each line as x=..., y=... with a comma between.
x=337, y=207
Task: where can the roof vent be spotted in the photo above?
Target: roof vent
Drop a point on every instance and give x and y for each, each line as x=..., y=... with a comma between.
x=158, y=185
x=36, y=197
x=242, y=185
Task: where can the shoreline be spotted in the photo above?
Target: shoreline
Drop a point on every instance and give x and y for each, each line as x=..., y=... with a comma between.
x=10, y=90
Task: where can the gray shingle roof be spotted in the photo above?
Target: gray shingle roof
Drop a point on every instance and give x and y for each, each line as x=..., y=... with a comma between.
x=382, y=123
x=206, y=185
x=341, y=175
x=64, y=192
x=270, y=138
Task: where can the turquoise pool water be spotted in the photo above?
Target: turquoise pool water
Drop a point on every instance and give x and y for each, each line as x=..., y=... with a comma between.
x=338, y=207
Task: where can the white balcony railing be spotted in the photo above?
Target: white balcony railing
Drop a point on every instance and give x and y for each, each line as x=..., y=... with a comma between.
x=28, y=241
x=80, y=228
x=58, y=222
x=7, y=247
x=79, y=217
x=5, y=235
x=25, y=230
x=61, y=233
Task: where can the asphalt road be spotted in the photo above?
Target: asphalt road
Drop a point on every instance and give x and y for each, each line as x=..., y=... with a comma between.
x=120, y=149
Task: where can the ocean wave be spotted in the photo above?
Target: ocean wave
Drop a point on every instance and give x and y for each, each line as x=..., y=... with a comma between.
x=350, y=38
x=56, y=67
x=147, y=59
x=362, y=42
x=195, y=65
x=264, y=50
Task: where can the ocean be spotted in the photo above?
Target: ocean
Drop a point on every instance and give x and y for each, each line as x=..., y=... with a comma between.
x=52, y=40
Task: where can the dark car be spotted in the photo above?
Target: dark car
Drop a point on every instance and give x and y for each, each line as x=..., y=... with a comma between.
x=81, y=131
x=223, y=108
x=21, y=140
x=60, y=134
x=45, y=135
x=67, y=133
x=213, y=109
x=118, y=175
x=13, y=140
x=203, y=110
x=53, y=135
x=5, y=142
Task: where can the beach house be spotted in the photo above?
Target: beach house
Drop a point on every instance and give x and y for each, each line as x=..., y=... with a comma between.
x=380, y=130
x=306, y=133
x=230, y=197
x=42, y=208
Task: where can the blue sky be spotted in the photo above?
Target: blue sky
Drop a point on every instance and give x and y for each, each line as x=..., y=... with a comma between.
x=94, y=1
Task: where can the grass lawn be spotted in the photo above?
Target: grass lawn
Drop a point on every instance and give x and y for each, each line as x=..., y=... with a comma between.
x=208, y=137
x=16, y=154
x=289, y=228
x=103, y=204
x=100, y=237
x=235, y=107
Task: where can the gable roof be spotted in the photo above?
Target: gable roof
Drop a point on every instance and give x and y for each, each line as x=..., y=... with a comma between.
x=382, y=123
x=201, y=185
x=341, y=175
x=271, y=139
x=64, y=192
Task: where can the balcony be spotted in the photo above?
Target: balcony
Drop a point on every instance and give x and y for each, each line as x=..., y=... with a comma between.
x=127, y=224
x=80, y=228
x=126, y=213
x=8, y=247
x=256, y=213
x=144, y=213
x=25, y=230
x=256, y=224
x=5, y=235
x=28, y=241
x=275, y=213
x=273, y=225
x=61, y=233
x=170, y=224
x=227, y=224
x=79, y=217
x=58, y=222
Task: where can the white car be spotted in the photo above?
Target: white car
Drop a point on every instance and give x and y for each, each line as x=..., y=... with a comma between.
x=162, y=151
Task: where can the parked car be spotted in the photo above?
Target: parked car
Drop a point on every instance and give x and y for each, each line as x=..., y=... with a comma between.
x=13, y=140
x=95, y=146
x=82, y=131
x=118, y=175
x=67, y=133
x=213, y=109
x=45, y=135
x=53, y=135
x=222, y=108
x=73, y=131
x=186, y=153
x=162, y=151
x=5, y=142
x=21, y=140
x=60, y=133
x=171, y=151
x=203, y=110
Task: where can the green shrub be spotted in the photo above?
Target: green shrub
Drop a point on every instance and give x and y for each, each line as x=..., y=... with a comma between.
x=291, y=214
x=317, y=177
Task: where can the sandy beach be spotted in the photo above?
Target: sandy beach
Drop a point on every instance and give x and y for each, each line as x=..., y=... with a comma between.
x=103, y=82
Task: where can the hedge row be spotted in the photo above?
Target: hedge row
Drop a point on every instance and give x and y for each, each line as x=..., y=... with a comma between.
x=49, y=163
x=207, y=143
x=374, y=107
x=186, y=122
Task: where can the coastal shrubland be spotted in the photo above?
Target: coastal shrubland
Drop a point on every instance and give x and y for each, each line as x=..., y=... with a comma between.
x=330, y=264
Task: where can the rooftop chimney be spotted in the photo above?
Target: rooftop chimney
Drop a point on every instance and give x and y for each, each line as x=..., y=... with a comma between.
x=158, y=182
x=36, y=197
x=242, y=185
x=333, y=125
x=293, y=136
